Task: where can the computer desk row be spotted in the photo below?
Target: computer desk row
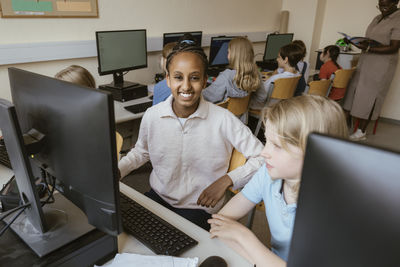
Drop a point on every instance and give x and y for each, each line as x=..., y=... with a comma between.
x=128, y=244
x=123, y=115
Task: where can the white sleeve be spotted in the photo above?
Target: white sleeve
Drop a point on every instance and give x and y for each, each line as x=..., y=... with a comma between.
x=139, y=154
x=246, y=143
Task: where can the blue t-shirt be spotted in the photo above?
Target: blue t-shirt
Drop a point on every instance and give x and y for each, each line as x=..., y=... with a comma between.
x=280, y=216
x=161, y=92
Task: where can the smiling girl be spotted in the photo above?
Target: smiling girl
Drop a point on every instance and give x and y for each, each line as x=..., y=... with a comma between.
x=277, y=182
x=189, y=142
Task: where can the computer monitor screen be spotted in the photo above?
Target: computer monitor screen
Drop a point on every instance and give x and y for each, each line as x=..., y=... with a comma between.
x=120, y=51
x=219, y=50
x=79, y=147
x=175, y=36
x=274, y=43
x=349, y=206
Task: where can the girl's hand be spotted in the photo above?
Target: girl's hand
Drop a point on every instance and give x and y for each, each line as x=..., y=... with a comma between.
x=228, y=229
x=214, y=192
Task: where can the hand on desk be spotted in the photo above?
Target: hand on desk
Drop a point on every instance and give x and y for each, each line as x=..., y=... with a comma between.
x=214, y=192
x=228, y=229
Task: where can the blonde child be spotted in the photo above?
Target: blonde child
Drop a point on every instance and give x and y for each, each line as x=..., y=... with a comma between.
x=189, y=142
x=241, y=78
x=288, y=57
x=277, y=182
x=78, y=75
x=161, y=89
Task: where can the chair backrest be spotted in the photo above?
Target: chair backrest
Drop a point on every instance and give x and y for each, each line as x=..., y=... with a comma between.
x=284, y=88
x=320, y=87
x=237, y=160
x=342, y=77
x=119, y=141
x=236, y=105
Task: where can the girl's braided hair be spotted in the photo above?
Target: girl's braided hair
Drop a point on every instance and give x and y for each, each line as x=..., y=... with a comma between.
x=187, y=44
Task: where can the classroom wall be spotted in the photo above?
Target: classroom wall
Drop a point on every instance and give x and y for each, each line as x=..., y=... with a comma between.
x=157, y=16
x=353, y=18
x=302, y=15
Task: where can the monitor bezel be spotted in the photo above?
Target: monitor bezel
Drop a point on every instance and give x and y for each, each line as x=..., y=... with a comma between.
x=101, y=72
x=266, y=43
x=191, y=32
x=209, y=55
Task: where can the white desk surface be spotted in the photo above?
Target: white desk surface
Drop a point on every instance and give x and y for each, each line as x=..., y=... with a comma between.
x=122, y=115
x=205, y=248
x=127, y=243
x=5, y=175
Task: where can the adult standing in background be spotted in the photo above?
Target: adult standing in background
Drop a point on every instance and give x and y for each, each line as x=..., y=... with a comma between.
x=376, y=68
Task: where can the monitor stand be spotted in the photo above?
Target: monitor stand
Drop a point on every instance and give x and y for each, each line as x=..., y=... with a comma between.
x=119, y=82
x=65, y=221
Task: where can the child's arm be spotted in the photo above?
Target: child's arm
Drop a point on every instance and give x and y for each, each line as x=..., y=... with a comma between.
x=243, y=241
x=237, y=207
x=139, y=154
x=215, y=92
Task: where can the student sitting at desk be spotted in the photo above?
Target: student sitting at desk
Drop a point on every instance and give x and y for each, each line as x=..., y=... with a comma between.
x=189, y=142
x=241, y=78
x=288, y=57
x=161, y=89
x=77, y=75
x=303, y=67
x=329, y=57
x=277, y=182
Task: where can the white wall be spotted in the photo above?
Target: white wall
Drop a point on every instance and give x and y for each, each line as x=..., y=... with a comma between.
x=157, y=16
x=302, y=16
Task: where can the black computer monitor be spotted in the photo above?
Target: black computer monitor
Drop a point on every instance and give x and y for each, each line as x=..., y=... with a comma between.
x=219, y=51
x=349, y=206
x=121, y=51
x=78, y=149
x=274, y=43
x=175, y=36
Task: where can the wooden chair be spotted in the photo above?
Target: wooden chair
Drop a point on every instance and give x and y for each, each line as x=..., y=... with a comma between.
x=119, y=141
x=342, y=77
x=237, y=160
x=237, y=105
x=282, y=88
x=321, y=87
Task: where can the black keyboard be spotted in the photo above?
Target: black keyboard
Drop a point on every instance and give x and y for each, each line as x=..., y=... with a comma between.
x=139, y=108
x=4, y=159
x=155, y=233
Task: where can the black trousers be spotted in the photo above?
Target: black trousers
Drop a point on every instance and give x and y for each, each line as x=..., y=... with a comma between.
x=196, y=216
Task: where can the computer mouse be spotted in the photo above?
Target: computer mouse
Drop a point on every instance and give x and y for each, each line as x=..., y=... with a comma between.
x=214, y=261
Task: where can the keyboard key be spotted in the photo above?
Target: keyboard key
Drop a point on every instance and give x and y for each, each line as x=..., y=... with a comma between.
x=155, y=233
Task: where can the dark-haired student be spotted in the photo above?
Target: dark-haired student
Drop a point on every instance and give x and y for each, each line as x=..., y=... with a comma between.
x=288, y=57
x=329, y=56
x=189, y=142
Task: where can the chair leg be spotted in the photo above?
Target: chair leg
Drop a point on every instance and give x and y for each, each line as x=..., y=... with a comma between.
x=250, y=218
x=258, y=126
x=375, y=126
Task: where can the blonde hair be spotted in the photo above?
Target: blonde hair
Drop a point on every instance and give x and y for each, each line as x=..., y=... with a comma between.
x=295, y=118
x=167, y=49
x=77, y=75
x=241, y=59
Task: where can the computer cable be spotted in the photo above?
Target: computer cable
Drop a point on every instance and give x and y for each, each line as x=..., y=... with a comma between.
x=8, y=213
x=12, y=220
